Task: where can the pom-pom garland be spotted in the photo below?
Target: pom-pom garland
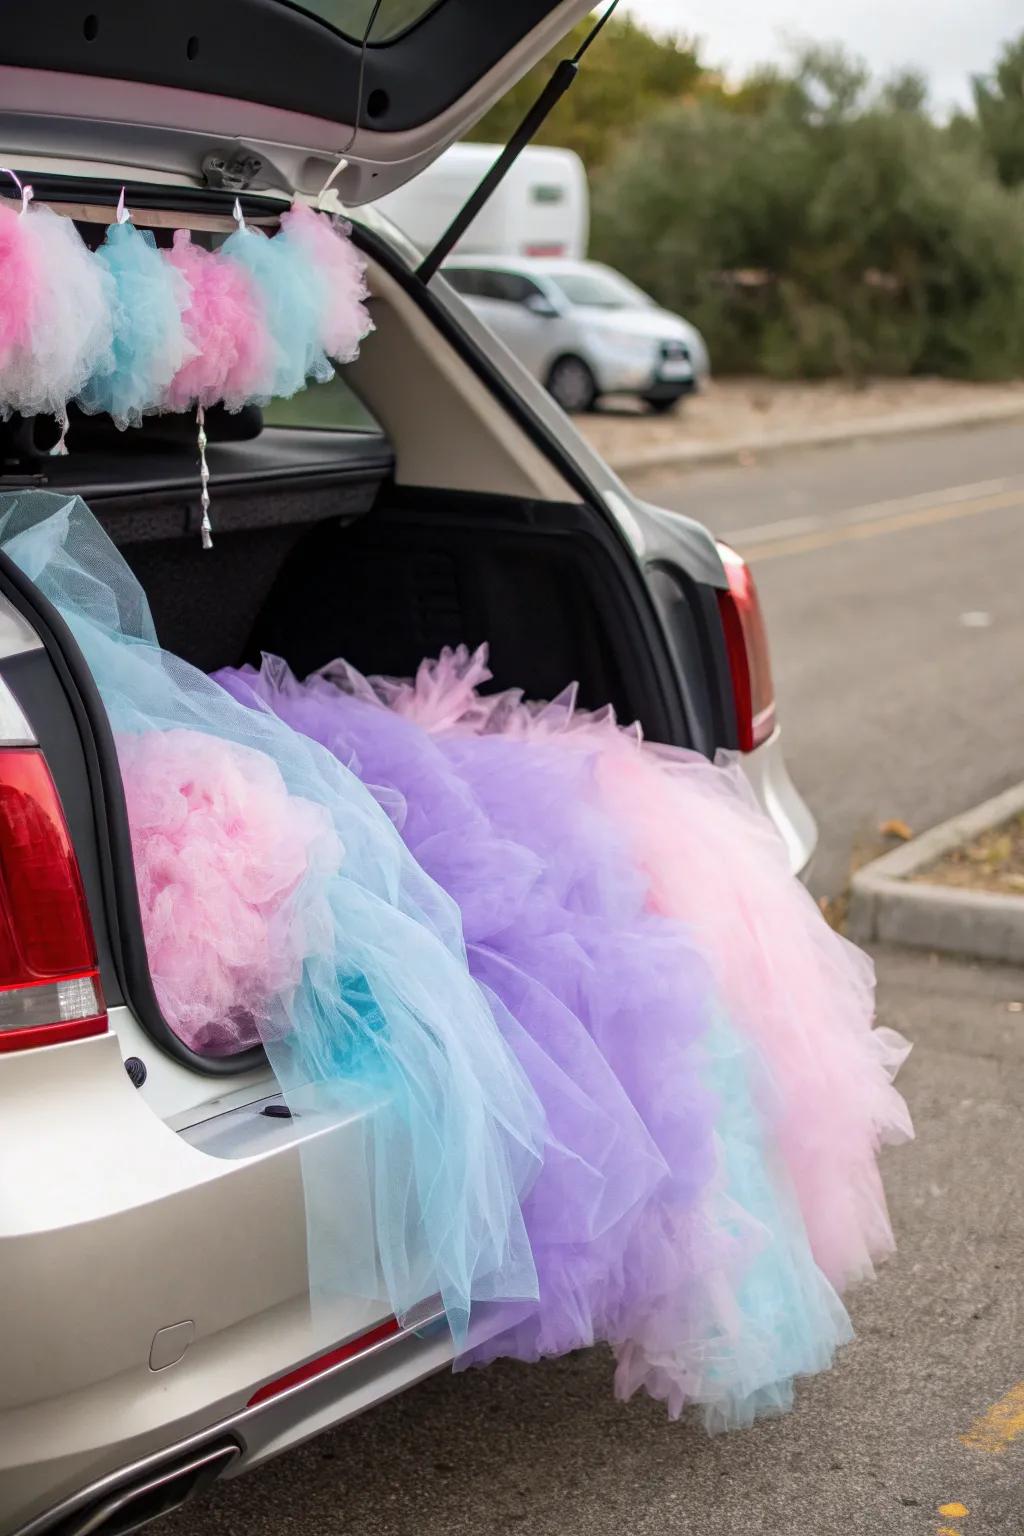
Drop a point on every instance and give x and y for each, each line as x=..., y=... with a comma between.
x=133, y=330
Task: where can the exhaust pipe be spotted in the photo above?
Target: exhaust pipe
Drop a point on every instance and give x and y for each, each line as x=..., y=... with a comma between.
x=161, y=1491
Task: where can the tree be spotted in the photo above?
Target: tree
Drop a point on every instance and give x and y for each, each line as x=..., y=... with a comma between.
x=627, y=74
x=821, y=231
x=999, y=109
x=905, y=92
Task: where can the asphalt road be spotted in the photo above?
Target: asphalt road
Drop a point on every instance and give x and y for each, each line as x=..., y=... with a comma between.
x=895, y=703
x=890, y=575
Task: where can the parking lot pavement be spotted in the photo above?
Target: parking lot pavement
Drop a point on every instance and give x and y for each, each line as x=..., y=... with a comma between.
x=888, y=577
x=873, y=1449
x=891, y=706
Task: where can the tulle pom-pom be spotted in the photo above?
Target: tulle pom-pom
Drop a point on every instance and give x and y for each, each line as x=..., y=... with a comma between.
x=17, y=284
x=68, y=330
x=292, y=293
x=226, y=326
x=344, y=320
x=150, y=345
x=222, y=851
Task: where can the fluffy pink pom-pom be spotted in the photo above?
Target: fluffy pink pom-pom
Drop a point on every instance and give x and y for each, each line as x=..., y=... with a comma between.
x=225, y=322
x=17, y=284
x=230, y=870
x=327, y=247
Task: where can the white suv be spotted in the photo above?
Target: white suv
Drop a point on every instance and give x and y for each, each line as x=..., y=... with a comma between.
x=156, y=1329
x=583, y=330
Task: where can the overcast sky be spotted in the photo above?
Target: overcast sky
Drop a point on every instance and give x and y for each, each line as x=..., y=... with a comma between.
x=947, y=39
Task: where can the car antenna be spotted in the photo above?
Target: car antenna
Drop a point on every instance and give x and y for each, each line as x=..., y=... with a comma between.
x=565, y=73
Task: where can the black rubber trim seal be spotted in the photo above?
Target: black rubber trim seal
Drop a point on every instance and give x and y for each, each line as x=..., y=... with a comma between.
x=111, y=815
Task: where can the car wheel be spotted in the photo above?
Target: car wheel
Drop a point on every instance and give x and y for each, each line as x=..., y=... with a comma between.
x=572, y=384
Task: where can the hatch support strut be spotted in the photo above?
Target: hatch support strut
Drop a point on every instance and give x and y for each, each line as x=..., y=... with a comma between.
x=564, y=74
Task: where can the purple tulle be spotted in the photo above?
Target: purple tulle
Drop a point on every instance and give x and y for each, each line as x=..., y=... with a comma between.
x=580, y=972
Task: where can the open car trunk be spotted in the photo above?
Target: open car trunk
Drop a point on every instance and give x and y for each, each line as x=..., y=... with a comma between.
x=458, y=519
x=257, y=95
x=319, y=554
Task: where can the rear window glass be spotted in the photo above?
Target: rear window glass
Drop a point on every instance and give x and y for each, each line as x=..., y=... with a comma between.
x=331, y=407
x=351, y=16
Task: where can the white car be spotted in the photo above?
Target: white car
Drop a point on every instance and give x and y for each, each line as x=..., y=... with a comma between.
x=156, y=1331
x=583, y=329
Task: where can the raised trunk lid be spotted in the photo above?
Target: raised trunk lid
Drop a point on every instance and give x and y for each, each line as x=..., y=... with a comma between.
x=263, y=94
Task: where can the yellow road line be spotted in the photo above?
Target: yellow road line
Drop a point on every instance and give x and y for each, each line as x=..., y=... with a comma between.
x=1000, y=1426
x=848, y=533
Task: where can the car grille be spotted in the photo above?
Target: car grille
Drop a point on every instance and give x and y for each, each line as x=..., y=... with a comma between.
x=674, y=352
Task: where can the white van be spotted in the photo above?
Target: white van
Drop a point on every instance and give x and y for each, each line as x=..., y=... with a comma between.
x=542, y=208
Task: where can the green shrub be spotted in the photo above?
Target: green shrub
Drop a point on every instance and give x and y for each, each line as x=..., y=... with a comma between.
x=812, y=232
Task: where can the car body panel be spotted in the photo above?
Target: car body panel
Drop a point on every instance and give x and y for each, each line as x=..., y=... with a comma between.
x=215, y=1240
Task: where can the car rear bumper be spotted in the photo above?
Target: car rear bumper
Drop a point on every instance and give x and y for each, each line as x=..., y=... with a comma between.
x=183, y=1461
x=766, y=770
x=153, y=1281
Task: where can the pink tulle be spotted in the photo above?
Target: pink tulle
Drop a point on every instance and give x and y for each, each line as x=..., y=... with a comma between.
x=17, y=283
x=344, y=320
x=221, y=849
x=794, y=987
x=224, y=321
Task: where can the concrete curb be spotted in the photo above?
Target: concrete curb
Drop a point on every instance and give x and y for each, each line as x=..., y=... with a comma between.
x=869, y=429
x=886, y=908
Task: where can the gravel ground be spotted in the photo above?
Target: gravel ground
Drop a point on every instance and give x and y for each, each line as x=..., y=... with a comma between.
x=750, y=408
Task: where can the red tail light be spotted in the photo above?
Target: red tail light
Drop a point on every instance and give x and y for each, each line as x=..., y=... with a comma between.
x=556, y=249
x=747, y=644
x=49, y=979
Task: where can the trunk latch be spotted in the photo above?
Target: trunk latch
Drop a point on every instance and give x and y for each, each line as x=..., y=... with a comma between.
x=233, y=170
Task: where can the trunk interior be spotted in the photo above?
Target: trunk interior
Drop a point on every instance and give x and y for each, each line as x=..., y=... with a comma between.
x=319, y=554
x=333, y=559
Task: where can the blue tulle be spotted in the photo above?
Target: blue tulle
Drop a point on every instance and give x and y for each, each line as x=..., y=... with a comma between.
x=149, y=335
x=749, y=1327
x=421, y=1110
x=292, y=289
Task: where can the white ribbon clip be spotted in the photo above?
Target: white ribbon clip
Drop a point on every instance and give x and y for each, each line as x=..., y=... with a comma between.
x=123, y=216
x=239, y=215
x=205, y=526
x=340, y=165
x=26, y=191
